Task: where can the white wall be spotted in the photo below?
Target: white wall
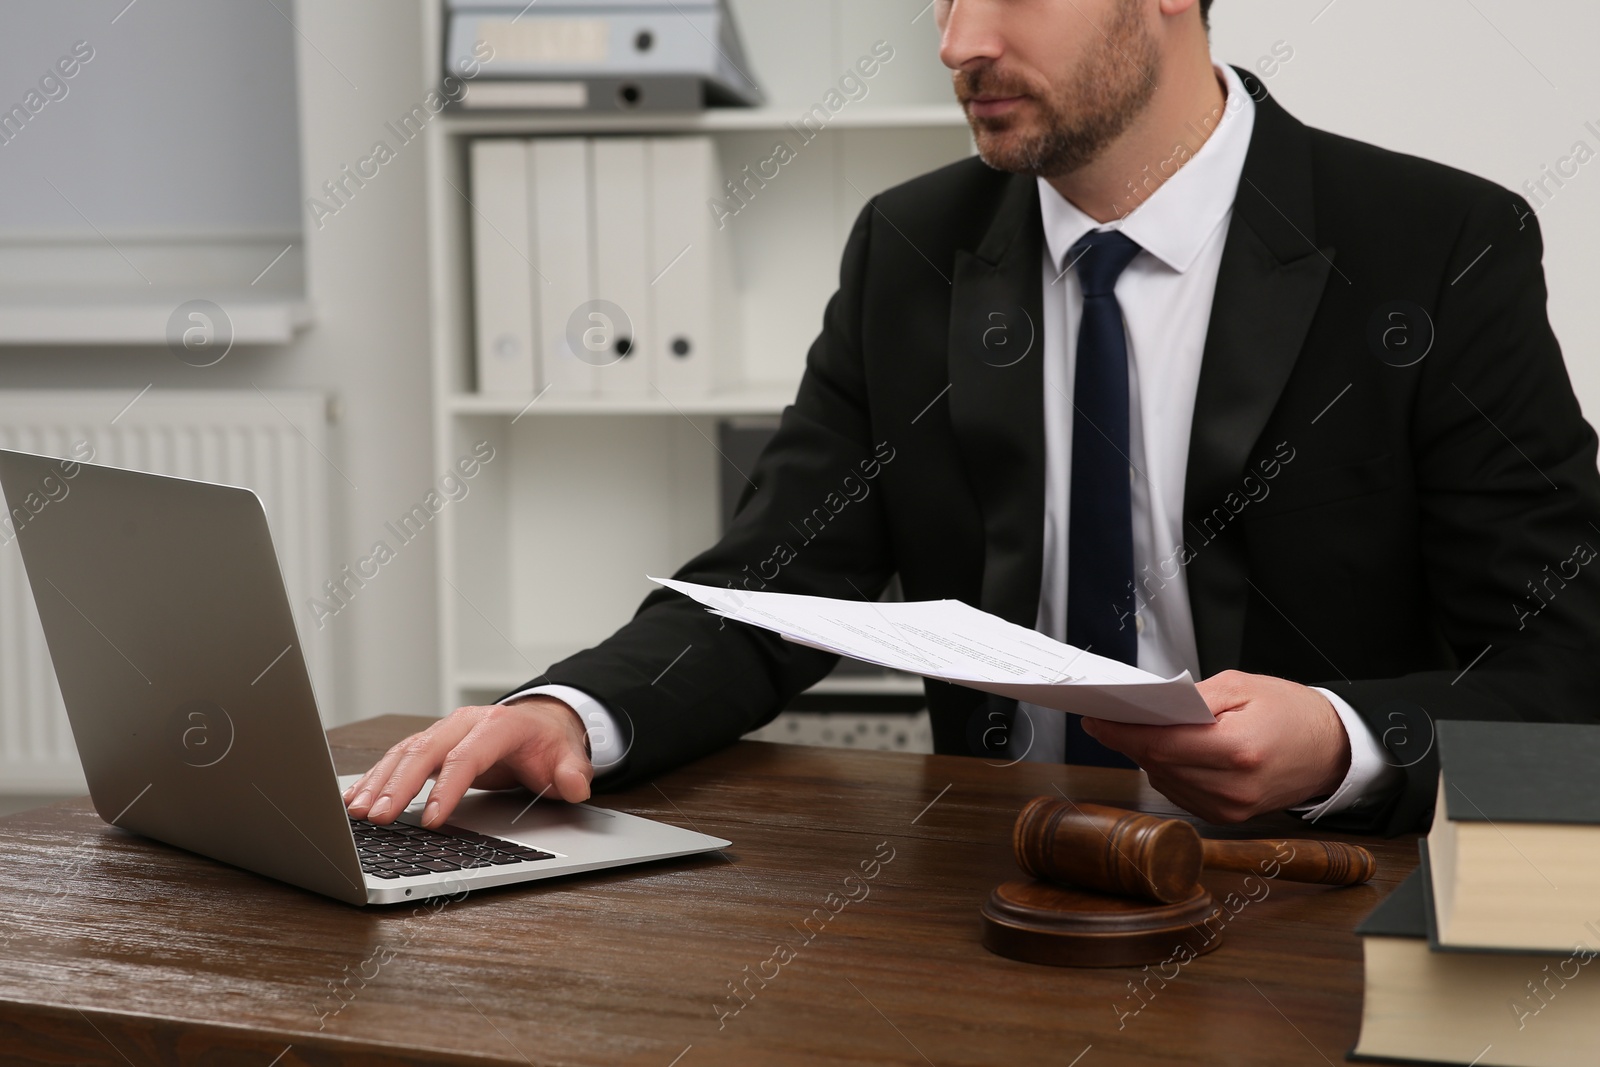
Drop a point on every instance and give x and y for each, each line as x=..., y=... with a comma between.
x=1497, y=87
x=173, y=74
x=368, y=345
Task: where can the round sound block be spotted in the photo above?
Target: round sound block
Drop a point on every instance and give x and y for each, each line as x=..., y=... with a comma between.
x=1037, y=922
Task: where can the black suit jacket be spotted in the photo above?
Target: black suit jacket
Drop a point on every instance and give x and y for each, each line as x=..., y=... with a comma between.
x=1410, y=536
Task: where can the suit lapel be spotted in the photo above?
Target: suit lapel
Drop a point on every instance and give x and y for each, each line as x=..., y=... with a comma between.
x=1269, y=284
x=996, y=361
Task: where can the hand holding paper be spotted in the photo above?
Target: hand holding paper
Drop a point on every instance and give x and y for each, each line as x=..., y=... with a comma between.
x=955, y=642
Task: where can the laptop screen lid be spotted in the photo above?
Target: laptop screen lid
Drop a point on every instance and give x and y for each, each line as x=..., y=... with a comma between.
x=176, y=649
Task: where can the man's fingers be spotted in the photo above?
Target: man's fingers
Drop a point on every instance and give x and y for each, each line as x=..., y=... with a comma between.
x=1136, y=742
x=539, y=743
x=556, y=764
x=1226, y=690
x=572, y=777
x=1215, y=796
x=359, y=797
x=480, y=750
x=1179, y=746
x=419, y=757
x=529, y=745
x=483, y=758
x=1110, y=734
x=559, y=760
x=365, y=788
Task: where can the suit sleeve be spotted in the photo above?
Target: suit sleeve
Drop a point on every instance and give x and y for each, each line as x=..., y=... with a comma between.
x=1509, y=501
x=681, y=682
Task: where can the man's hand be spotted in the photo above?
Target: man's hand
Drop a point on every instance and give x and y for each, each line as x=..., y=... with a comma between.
x=1275, y=744
x=537, y=742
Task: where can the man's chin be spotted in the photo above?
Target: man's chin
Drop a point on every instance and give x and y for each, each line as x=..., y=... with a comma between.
x=1006, y=151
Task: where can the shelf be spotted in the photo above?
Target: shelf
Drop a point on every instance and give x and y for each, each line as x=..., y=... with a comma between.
x=61, y=291
x=908, y=116
x=754, y=401
x=91, y=321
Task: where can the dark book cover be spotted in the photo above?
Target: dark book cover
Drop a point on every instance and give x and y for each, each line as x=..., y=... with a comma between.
x=1430, y=914
x=1403, y=913
x=1509, y=772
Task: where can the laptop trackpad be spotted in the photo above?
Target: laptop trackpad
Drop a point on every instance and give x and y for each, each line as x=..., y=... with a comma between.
x=554, y=826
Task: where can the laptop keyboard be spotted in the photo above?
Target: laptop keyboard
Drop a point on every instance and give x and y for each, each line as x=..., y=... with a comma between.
x=400, y=850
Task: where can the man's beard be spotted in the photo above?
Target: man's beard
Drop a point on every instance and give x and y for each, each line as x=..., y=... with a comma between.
x=1107, y=92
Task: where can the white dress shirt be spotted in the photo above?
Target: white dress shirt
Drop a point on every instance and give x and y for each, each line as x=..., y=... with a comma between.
x=1165, y=293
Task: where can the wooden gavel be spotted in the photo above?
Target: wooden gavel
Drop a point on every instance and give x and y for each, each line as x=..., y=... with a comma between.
x=1131, y=854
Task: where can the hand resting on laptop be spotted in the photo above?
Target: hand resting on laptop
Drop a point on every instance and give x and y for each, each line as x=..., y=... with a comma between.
x=537, y=742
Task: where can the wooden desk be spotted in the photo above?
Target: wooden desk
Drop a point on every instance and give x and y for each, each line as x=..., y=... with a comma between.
x=120, y=951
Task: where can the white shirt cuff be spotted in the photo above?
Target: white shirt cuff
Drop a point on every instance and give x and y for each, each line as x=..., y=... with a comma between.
x=607, y=747
x=1371, y=776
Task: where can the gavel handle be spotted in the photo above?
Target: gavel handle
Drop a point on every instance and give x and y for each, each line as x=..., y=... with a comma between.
x=1297, y=860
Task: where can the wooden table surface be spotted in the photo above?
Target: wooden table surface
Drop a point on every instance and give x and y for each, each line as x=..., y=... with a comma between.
x=117, y=950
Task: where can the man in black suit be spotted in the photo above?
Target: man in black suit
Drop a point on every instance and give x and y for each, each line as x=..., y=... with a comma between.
x=1288, y=411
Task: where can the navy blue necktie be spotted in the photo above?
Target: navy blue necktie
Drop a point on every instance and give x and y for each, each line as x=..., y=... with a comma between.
x=1100, y=600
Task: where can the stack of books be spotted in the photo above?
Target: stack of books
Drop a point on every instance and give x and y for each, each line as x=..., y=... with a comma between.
x=1483, y=956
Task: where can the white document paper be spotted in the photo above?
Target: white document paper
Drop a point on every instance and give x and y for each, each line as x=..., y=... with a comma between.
x=955, y=642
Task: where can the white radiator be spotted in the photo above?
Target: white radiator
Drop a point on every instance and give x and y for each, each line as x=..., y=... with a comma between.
x=271, y=442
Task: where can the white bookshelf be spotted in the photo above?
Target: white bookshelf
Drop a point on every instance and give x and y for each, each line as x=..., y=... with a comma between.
x=585, y=496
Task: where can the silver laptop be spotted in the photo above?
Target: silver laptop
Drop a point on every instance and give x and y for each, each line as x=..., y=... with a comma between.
x=175, y=645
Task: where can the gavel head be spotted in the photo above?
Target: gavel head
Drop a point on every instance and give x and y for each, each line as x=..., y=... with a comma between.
x=1109, y=850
